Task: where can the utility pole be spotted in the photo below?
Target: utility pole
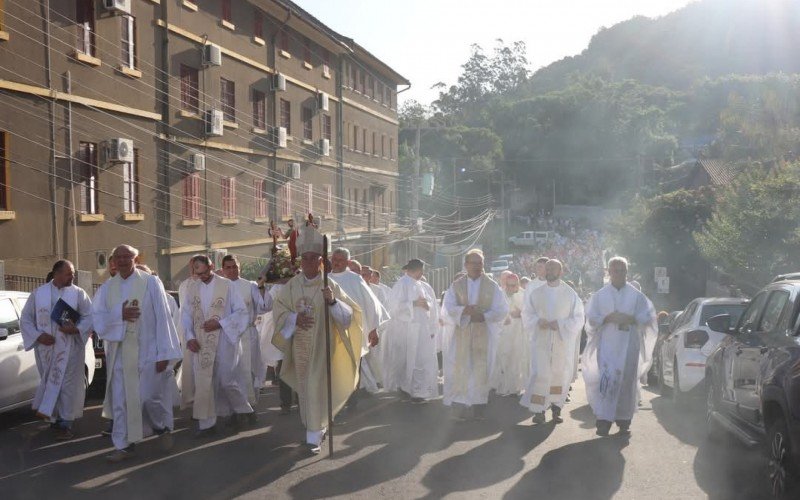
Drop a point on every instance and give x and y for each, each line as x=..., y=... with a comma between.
x=503, y=208
x=415, y=189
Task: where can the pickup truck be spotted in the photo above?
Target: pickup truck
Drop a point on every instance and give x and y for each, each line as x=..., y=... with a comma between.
x=531, y=238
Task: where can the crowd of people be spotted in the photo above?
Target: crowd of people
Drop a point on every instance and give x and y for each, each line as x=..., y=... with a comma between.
x=330, y=331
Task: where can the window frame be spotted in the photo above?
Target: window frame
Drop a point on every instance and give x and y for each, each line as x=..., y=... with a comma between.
x=259, y=198
x=191, y=196
x=308, y=123
x=227, y=91
x=130, y=185
x=258, y=24
x=327, y=128
x=259, y=109
x=286, y=115
x=86, y=22
x=777, y=319
x=227, y=10
x=228, y=191
x=90, y=175
x=190, y=88
x=5, y=172
x=128, y=47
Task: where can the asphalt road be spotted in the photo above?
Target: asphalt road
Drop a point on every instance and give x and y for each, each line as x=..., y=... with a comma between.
x=393, y=449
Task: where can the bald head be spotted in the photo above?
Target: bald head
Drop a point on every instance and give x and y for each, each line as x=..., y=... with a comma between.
x=552, y=270
x=354, y=266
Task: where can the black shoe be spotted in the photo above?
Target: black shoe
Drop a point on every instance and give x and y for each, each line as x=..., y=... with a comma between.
x=108, y=430
x=417, y=401
x=624, y=429
x=205, y=433
x=479, y=412
x=603, y=427
x=557, y=414
x=250, y=418
x=539, y=418
x=314, y=449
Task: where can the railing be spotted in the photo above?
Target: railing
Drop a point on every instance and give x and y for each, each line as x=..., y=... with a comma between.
x=23, y=283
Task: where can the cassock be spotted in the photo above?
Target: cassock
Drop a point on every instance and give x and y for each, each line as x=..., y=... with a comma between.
x=212, y=377
x=410, y=350
x=511, y=367
x=470, y=351
x=552, y=352
x=304, y=366
x=270, y=355
x=254, y=371
x=61, y=390
x=373, y=316
x=614, y=356
x=138, y=399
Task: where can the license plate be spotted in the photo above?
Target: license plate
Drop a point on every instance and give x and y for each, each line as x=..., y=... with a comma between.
x=98, y=363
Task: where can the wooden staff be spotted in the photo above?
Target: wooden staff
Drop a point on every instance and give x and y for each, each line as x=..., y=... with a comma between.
x=328, y=345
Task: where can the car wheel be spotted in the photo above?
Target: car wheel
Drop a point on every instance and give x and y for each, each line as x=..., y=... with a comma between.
x=781, y=468
x=663, y=389
x=713, y=431
x=678, y=397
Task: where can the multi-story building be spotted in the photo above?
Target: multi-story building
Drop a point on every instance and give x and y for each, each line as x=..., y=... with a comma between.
x=183, y=126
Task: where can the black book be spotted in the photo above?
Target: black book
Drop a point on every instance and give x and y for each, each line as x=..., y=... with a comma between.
x=63, y=311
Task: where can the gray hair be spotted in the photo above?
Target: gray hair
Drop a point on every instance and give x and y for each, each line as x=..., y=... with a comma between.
x=341, y=251
x=618, y=261
x=473, y=251
x=129, y=248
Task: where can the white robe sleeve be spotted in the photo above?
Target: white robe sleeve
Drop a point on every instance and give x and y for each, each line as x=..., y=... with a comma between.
x=289, y=326
x=85, y=310
x=167, y=344
x=262, y=303
x=235, y=322
x=594, y=313
x=530, y=316
x=451, y=306
x=187, y=321
x=342, y=313
x=401, y=306
x=572, y=324
x=499, y=309
x=27, y=322
x=108, y=323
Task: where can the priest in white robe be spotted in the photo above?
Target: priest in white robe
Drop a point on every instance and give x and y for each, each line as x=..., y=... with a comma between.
x=374, y=315
x=299, y=312
x=132, y=317
x=410, y=350
x=214, y=319
x=59, y=348
x=512, y=364
x=554, y=315
x=253, y=369
x=619, y=327
x=477, y=306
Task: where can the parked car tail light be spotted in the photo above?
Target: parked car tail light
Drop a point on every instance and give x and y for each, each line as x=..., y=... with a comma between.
x=695, y=338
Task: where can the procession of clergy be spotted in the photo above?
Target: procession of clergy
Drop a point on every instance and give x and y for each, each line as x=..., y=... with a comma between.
x=515, y=341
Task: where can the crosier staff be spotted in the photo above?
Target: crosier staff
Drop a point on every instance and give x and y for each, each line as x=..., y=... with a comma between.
x=328, y=345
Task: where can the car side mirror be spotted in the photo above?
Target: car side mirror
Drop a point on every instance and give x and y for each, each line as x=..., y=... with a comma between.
x=720, y=323
x=3, y=333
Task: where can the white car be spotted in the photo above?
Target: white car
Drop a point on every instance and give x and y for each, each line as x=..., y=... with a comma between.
x=498, y=266
x=682, y=360
x=18, y=371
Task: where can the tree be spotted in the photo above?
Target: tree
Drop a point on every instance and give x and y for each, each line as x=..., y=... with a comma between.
x=755, y=229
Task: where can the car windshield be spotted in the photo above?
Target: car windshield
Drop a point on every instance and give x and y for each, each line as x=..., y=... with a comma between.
x=711, y=310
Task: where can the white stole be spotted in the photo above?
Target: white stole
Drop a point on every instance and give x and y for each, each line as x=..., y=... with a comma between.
x=54, y=358
x=130, y=355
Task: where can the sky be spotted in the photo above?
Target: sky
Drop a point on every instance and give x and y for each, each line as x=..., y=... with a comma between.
x=427, y=41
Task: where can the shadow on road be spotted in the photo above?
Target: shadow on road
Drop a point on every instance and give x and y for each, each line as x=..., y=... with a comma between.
x=725, y=470
x=584, y=415
x=588, y=470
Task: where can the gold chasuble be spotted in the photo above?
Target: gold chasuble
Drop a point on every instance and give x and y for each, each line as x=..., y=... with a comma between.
x=472, y=340
x=304, y=364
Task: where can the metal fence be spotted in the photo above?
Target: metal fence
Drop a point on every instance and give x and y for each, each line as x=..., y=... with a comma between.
x=22, y=283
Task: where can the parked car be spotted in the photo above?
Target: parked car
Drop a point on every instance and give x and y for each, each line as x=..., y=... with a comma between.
x=498, y=266
x=18, y=371
x=665, y=327
x=754, y=381
x=684, y=352
x=531, y=238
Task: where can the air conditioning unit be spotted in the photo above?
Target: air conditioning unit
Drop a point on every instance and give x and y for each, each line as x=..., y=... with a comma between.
x=279, y=82
x=212, y=55
x=325, y=147
x=119, y=151
x=213, y=121
x=197, y=162
x=282, y=137
x=322, y=101
x=123, y=6
x=294, y=170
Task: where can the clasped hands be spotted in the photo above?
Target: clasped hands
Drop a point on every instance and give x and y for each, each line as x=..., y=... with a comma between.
x=422, y=303
x=543, y=324
x=474, y=313
x=620, y=319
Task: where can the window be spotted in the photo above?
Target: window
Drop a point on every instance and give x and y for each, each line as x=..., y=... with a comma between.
x=391, y=201
x=260, y=198
x=309, y=198
x=130, y=185
x=374, y=143
x=259, y=109
x=383, y=146
x=229, y=197
x=326, y=63
x=385, y=99
x=191, y=196
x=128, y=41
x=258, y=24
x=284, y=41
x=772, y=312
x=362, y=86
x=8, y=316
x=286, y=116
x=355, y=137
x=363, y=201
x=84, y=18
x=381, y=94
x=711, y=310
x=308, y=118
x=89, y=189
x=347, y=135
x=5, y=188
x=285, y=200
x=227, y=11
x=228, y=99
x=190, y=94
x=391, y=148
x=307, y=51
x=364, y=140
x=750, y=317
x=326, y=127
x=328, y=198
x=2, y=19
x=353, y=77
